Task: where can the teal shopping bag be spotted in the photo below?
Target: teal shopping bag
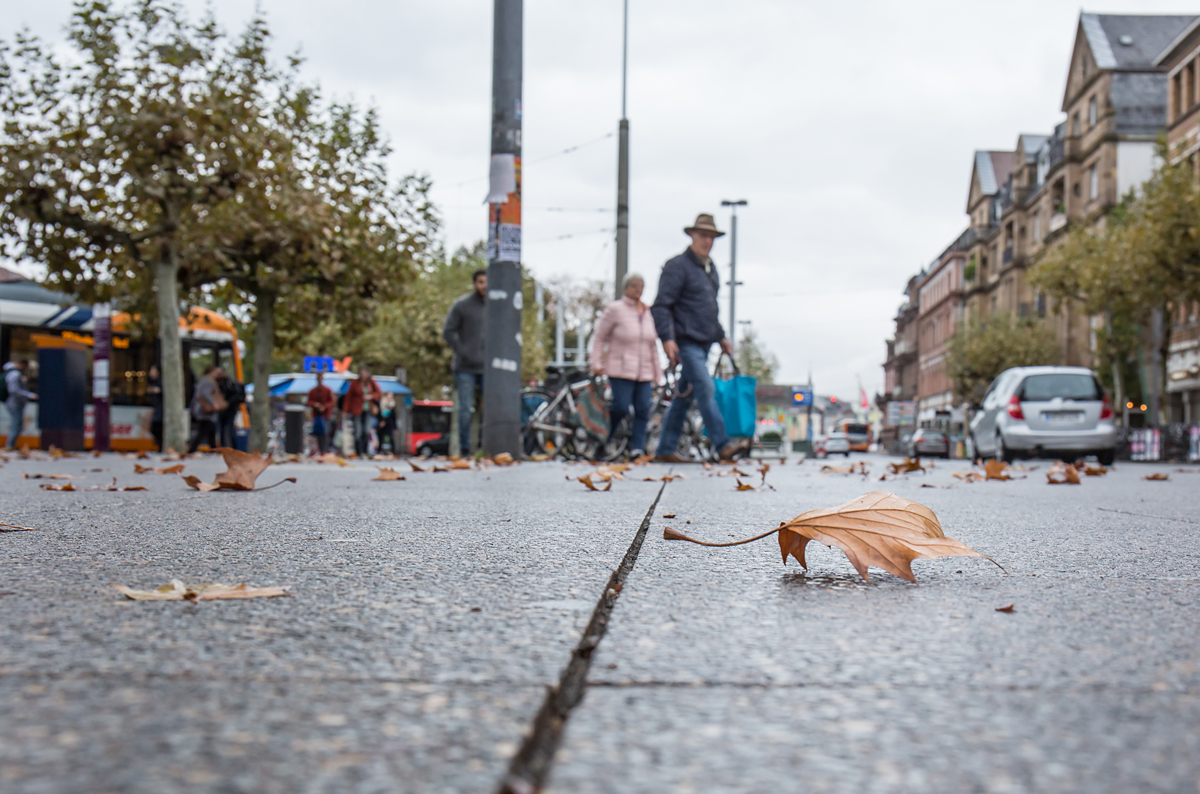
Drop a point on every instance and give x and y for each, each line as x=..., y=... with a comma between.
x=737, y=403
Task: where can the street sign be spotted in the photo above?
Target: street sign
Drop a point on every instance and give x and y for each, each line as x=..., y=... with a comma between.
x=318, y=363
x=802, y=397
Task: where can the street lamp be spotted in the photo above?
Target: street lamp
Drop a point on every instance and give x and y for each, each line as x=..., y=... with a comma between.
x=733, y=282
x=623, y=169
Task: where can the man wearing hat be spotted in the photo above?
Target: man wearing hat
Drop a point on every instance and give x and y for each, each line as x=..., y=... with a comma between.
x=685, y=315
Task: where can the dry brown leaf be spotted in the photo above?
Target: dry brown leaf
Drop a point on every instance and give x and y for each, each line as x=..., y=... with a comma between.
x=15, y=528
x=877, y=529
x=907, y=465
x=57, y=453
x=196, y=483
x=996, y=470
x=1008, y=608
x=415, y=467
x=1095, y=471
x=591, y=486
x=643, y=460
x=538, y=458
x=242, y=470
x=1186, y=471
x=503, y=459
x=664, y=478
x=64, y=487
x=29, y=476
x=457, y=465
x=827, y=469
x=387, y=475
x=176, y=469
x=176, y=590
x=1156, y=476
x=741, y=486
x=1063, y=475
x=114, y=487
x=668, y=515
x=968, y=476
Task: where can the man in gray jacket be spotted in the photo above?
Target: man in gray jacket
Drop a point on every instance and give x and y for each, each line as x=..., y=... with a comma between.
x=18, y=395
x=463, y=331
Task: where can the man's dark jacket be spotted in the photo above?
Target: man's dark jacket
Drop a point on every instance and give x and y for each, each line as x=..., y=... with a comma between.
x=686, y=306
x=463, y=331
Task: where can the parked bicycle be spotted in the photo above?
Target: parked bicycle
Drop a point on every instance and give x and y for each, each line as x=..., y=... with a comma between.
x=567, y=418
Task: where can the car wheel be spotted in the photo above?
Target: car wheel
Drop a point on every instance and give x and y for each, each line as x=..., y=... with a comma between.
x=1106, y=456
x=425, y=451
x=1003, y=453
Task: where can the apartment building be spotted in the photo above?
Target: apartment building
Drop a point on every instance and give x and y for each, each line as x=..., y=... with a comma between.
x=1181, y=61
x=1022, y=202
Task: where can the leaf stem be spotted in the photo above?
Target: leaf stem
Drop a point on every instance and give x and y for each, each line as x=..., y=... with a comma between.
x=671, y=534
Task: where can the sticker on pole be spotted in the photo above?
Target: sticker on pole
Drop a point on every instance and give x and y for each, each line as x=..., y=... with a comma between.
x=506, y=364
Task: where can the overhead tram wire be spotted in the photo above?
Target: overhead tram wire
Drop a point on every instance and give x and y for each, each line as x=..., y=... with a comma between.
x=567, y=150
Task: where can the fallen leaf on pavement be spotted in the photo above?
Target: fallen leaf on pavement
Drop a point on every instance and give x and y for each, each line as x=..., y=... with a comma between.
x=56, y=453
x=1063, y=475
x=503, y=459
x=968, y=476
x=331, y=457
x=539, y=457
x=668, y=515
x=29, y=476
x=591, y=486
x=1156, y=476
x=827, y=469
x=64, y=487
x=114, y=487
x=741, y=486
x=1008, y=608
x=415, y=467
x=1095, y=471
x=176, y=590
x=139, y=469
x=664, y=478
x=907, y=465
x=242, y=469
x=15, y=528
x=877, y=529
x=996, y=470
x=387, y=475
x=461, y=463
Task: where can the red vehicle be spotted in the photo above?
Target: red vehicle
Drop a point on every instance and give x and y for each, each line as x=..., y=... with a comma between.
x=430, y=428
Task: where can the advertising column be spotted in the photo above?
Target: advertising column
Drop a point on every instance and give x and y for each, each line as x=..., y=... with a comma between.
x=101, y=355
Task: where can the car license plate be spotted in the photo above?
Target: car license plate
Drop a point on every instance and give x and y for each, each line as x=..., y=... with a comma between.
x=1062, y=416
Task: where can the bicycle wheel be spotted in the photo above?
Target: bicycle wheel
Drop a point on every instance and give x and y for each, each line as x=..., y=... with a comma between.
x=531, y=401
x=552, y=431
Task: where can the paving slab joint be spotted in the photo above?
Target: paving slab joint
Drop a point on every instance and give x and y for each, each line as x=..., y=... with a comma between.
x=530, y=767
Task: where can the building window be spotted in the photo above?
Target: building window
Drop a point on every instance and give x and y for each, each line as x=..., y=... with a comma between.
x=1075, y=123
x=1075, y=189
x=1094, y=179
x=1176, y=96
x=1092, y=112
x=1190, y=76
x=1037, y=225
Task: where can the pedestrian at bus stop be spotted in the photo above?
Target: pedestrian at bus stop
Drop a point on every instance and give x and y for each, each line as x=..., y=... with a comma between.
x=234, y=394
x=686, y=316
x=362, y=391
x=18, y=395
x=625, y=347
x=320, y=400
x=207, y=404
x=463, y=331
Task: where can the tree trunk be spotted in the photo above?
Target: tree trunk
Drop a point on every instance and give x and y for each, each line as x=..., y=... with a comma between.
x=264, y=346
x=166, y=273
x=1164, y=360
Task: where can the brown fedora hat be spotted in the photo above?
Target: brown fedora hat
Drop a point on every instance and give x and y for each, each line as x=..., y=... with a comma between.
x=705, y=223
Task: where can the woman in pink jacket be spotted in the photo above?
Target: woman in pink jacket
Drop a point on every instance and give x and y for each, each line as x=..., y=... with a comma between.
x=625, y=348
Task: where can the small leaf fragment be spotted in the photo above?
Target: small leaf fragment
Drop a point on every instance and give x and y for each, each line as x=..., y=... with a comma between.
x=387, y=475
x=1158, y=475
x=1008, y=608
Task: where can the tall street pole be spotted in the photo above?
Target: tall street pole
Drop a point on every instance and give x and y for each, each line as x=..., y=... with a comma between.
x=623, y=169
x=733, y=282
x=502, y=317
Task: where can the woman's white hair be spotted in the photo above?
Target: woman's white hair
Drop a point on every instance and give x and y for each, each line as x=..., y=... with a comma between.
x=630, y=278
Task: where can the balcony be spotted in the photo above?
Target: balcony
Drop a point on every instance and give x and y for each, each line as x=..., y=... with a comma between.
x=1057, y=221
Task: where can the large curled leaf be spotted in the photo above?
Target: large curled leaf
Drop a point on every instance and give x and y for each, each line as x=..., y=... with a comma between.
x=877, y=529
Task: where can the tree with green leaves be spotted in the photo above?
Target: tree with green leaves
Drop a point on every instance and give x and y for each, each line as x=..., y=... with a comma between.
x=107, y=155
x=979, y=352
x=754, y=359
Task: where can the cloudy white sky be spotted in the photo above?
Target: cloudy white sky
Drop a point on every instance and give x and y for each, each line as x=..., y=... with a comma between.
x=849, y=127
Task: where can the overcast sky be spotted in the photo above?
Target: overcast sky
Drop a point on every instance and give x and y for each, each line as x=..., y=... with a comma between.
x=849, y=127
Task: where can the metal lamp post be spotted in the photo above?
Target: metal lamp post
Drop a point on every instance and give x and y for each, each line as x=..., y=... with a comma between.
x=733, y=282
x=623, y=169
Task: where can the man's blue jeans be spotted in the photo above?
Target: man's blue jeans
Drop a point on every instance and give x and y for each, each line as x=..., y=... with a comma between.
x=467, y=383
x=697, y=384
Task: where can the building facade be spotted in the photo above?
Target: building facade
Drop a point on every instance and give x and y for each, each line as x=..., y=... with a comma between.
x=1181, y=61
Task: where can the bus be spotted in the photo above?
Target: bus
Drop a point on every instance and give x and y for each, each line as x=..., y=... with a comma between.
x=857, y=433
x=28, y=309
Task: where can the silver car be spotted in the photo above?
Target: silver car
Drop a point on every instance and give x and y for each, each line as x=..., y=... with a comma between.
x=1057, y=412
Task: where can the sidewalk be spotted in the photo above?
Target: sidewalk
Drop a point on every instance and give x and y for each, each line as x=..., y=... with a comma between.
x=430, y=615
